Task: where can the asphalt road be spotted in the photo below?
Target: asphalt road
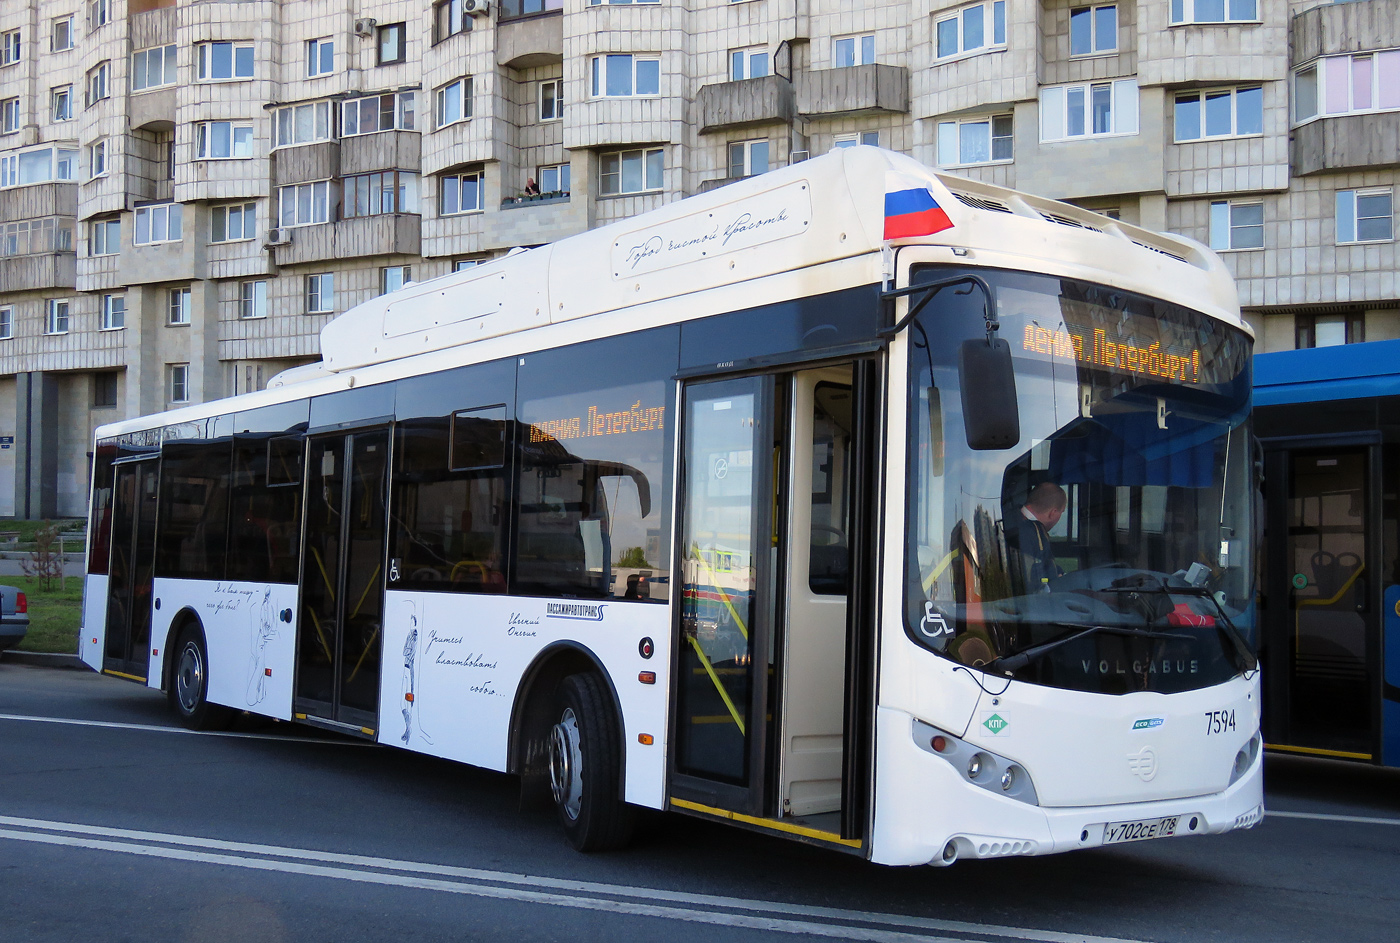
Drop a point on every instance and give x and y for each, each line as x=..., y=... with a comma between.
x=115, y=825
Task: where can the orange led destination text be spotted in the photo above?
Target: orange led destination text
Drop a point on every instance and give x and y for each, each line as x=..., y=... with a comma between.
x=636, y=419
x=1125, y=358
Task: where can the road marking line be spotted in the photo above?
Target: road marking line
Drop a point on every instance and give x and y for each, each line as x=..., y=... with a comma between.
x=526, y=888
x=1324, y=817
x=199, y=733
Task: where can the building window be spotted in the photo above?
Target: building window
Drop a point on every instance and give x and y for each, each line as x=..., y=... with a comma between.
x=460, y=193
x=105, y=237
x=624, y=76
x=391, y=112
x=461, y=265
x=178, y=307
x=974, y=140
x=453, y=102
x=252, y=299
x=305, y=204
x=853, y=50
x=61, y=38
x=37, y=166
x=449, y=19
x=748, y=63
x=1093, y=30
x=29, y=236
x=631, y=171
x=225, y=61
x=97, y=83
x=159, y=223
x=113, y=312
x=10, y=47
x=320, y=293
x=97, y=13
x=1365, y=216
x=972, y=29
x=390, y=191
x=179, y=382
x=97, y=159
x=152, y=68
x=1328, y=330
x=104, y=390
x=9, y=116
x=223, y=140
x=871, y=138
x=61, y=100
x=1096, y=109
x=1219, y=113
x=1342, y=85
x=234, y=222
x=304, y=124
x=594, y=3
x=320, y=57
x=748, y=158
x=1215, y=11
x=7, y=323
x=1236, y=225
x=394, y=277
x=392, y=44
x=552, y=100
x=553, y=178
x=57, y=321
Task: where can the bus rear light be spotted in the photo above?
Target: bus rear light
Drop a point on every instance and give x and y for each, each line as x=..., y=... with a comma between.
x=155, y=652
x=645, y=739
x=268, y=672
x=21, y=603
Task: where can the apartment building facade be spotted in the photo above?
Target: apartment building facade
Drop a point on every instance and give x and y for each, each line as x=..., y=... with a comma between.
x=190, y=190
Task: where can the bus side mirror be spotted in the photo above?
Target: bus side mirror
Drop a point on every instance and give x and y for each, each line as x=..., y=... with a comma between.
x=987, y=379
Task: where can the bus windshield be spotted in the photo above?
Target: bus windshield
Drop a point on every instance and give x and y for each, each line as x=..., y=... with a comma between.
x=1109, y=550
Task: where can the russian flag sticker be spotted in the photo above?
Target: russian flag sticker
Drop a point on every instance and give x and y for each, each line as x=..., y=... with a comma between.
x=913, y=213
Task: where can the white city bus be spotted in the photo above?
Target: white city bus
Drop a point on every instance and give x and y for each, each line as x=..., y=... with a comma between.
x=723, y=509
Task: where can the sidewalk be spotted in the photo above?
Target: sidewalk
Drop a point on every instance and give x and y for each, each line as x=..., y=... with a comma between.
x=42, y=659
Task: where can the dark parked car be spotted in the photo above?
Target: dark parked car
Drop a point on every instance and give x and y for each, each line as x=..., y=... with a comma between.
x=14, y=617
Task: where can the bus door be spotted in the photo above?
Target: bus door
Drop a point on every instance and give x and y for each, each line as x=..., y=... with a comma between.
x=1323, y=645
x=764, y=695
x=131, y=577
x=339, y=631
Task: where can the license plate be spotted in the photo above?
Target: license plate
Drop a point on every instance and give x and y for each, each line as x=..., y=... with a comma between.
x=1139, y=831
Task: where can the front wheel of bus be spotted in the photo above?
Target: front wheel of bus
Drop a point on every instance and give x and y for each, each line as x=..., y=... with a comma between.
x=189, y=684
x=585, y=765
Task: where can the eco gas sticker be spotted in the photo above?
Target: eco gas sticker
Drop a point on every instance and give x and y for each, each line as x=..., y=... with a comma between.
x=1147, y=723
x=994, y=724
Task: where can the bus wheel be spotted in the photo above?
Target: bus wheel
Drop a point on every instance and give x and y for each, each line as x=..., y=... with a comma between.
x=189, y=684
x=585, y=762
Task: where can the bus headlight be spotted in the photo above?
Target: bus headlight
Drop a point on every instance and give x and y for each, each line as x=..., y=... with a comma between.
x=1246, y=757
x=980, y=767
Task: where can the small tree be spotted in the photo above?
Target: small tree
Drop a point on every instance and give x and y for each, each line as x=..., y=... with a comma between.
x=634, y=557
x=45, y=562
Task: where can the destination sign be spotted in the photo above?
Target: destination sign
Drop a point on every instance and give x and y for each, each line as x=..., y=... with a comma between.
x=1121, y=355
x=638, y=418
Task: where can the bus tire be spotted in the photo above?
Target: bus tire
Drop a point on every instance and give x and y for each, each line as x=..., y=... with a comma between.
x=189, y=684
x=585, y=764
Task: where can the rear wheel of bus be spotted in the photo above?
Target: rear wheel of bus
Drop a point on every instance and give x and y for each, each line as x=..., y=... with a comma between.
x=585, y=766
x=189, y=684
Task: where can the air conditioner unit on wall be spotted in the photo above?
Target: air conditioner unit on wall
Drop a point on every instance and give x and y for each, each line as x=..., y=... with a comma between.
x=278, y=237
x=476, y=7
x=364, y=26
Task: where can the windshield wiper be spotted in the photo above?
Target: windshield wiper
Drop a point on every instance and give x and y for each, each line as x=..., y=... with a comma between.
x=1146, y=582
x=1009, y=664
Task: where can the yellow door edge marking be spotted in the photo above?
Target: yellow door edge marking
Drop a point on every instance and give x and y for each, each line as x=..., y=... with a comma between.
x=123, y=674
x=802, y=830
x=1314, y=751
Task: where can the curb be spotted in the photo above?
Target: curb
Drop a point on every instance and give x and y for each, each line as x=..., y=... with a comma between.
x=43, y=659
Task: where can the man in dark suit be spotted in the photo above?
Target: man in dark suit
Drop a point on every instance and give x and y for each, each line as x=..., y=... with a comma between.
x=1040, y=514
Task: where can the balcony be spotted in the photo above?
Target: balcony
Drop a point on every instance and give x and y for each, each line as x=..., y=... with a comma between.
x=389, y=234
x=748, y=103
x=37, y=200
x=1344, y=28
x=1347, y=142
x=854, y=90
x=385, y=150
x=306, y=162
x=529, y=33
x=533, y=221
x=39, y=271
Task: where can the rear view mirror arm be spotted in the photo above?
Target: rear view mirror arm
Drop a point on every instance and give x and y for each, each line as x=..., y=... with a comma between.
x=929, y=289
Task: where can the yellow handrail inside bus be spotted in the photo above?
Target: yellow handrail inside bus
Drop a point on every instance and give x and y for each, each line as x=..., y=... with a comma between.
x=1298, y=610
x=330, y=587
x=369, y=584
x=320, y=635
x=714, y=678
